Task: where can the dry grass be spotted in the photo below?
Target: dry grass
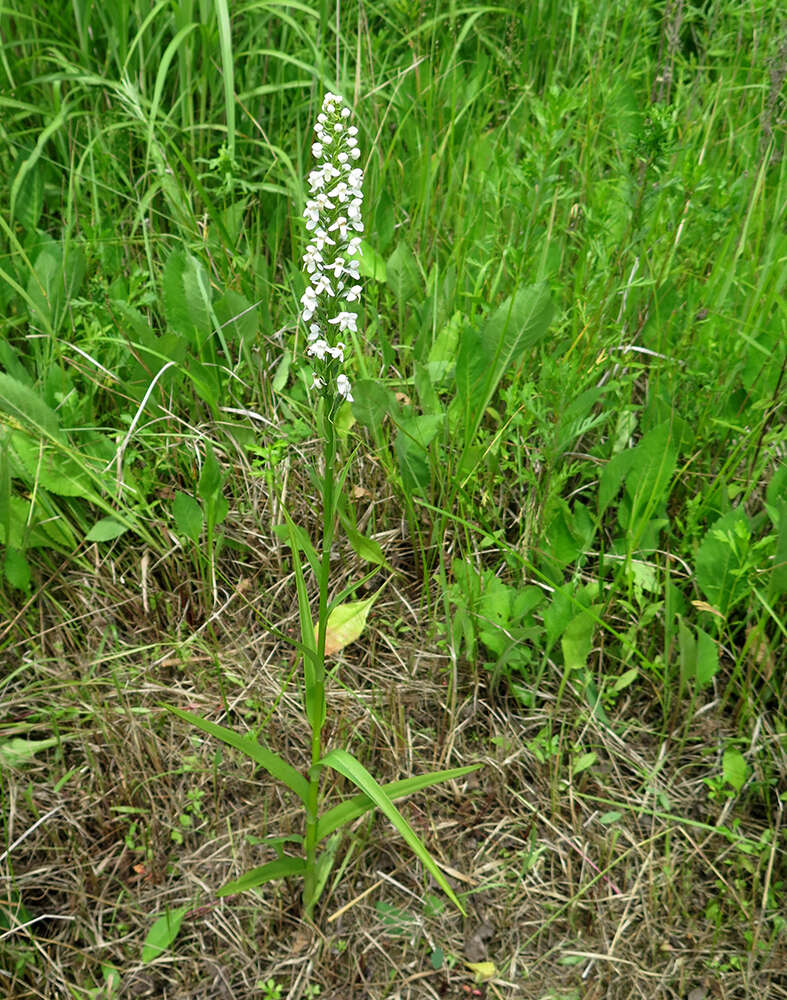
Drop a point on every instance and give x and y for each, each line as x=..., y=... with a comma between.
x=567, y=899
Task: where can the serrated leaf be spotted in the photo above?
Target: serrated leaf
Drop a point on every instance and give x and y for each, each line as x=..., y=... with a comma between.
x=105, y=530
x=346, y=622
x=163, y=933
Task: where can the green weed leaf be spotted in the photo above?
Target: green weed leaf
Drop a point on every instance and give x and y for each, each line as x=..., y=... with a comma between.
x=188, y=516
x=720, y=563
x=734, y=768
x=185, y=290
x=105, y=530
x=163, y=933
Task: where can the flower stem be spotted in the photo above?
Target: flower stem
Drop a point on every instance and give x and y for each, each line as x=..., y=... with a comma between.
x=310, y=877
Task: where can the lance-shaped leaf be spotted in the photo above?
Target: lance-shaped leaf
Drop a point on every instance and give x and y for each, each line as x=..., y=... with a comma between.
x=267, y=759
x=347, y=765
x=351, y=809
x=280, y=868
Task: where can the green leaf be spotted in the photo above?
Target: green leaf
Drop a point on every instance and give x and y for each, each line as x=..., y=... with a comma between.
x=625, y=680
x=163, y=933
x=105, y=530
x=358, y=805
x=445, y=349
x=294, y=533
x=211, y=478
x=720, y=562
x=577, y=639
x=370, y=265
x=520, y=323
x=237, y=317
x=612, y=477
x=280, y=868
x=402, y=275
x=282, y=373
x=16, y=568
x=734, y=768
x=346, y=622
x=18, y=751
x=371, y=402
x=188, y=516
x=27, y=409
x=268, y=760
x=347, y=765
x=707, y=663
x=186, y=297
x=410, y=446
x=778, y=582
x=366, y=548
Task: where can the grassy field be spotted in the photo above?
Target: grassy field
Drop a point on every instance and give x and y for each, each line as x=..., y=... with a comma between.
x=567, y=495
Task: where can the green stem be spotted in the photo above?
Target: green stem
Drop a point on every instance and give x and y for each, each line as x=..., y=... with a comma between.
x=329, y=452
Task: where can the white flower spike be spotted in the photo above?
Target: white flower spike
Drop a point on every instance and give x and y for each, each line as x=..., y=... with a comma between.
x=333, y=221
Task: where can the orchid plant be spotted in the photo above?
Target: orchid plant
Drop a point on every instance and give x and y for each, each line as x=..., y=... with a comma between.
x=333, y=225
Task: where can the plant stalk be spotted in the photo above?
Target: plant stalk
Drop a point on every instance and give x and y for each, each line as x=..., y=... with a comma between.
x=310, y=877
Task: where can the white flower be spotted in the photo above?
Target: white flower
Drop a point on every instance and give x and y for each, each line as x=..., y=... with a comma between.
x=333, y=220
x=309, y=303
x=343, y=387
x=341, y=225
x=318, y=349
x=321, y=238
x=322, y=285
x=346, y=321
x=312, y=259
